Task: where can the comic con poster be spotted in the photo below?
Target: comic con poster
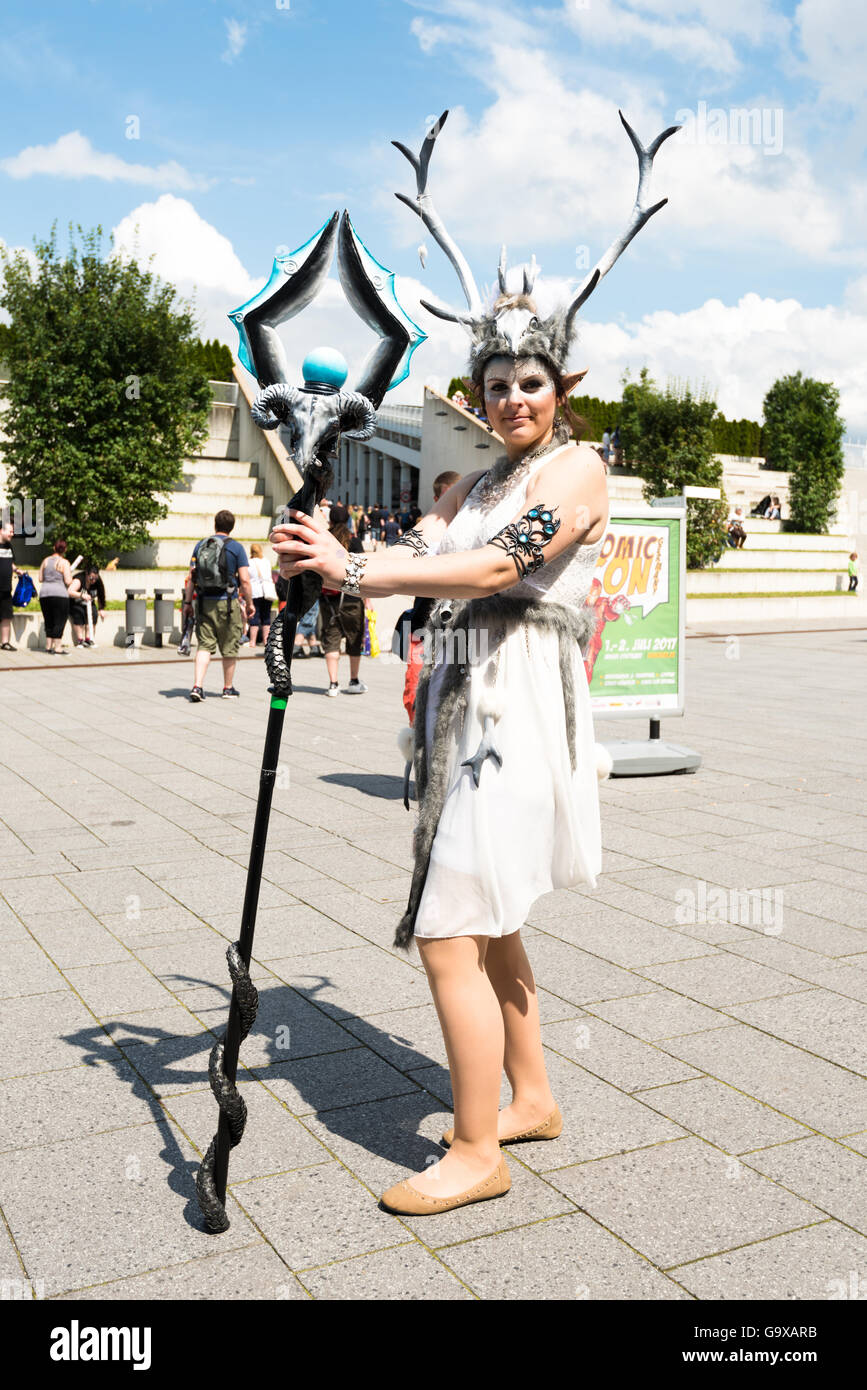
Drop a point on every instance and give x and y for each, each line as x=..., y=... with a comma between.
x=633, y=660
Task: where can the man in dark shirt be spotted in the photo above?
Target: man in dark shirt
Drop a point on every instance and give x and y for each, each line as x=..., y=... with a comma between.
x=219, y=624
x=7, y=569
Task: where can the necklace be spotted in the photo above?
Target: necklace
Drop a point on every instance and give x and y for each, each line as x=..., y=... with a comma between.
x=504, y=472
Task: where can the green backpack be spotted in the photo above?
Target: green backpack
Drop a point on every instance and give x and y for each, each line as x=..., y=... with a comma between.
x=211, y=570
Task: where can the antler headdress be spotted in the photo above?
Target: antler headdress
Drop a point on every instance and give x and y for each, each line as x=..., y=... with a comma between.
x=513, y=326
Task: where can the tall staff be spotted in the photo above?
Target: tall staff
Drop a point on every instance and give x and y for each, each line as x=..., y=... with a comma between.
x=314, y=417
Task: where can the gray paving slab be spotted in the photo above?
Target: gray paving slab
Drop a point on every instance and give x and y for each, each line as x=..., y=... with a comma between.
x=830, y=1175
x=317, y=1214
x=662, y=1014
x=28, y=970
x=577, y=976
x=238, y=1275
x=359, y=982
x=613, y=1055
x=309, y=1084
x=108, y=1207
x=287, y=1025
x=679, y=1201
x=77, y=938
x=406, y=1271
x=565, y=1258
x=822, y=1262
x=721, y=979
x=794, y=1082
x=722, y=1115
x=619, y=937
x=41, y=1109
x=122, y=986
x=274, y=1140
x=818, y=1020
x=40, y=1032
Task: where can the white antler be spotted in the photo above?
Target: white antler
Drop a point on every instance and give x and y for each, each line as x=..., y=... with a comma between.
x=640, y=214
x=423, y=205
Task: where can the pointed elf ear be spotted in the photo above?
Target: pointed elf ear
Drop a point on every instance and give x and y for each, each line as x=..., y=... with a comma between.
x=571, y=379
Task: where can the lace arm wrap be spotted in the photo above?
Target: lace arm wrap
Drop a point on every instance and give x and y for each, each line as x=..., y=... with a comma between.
x=524, y=539
x=415, y=540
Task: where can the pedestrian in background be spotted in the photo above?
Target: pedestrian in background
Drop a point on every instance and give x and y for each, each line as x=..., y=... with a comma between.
x=7, y=569
x=55, y=581
x=221, y=575
x=343, y=617
x=264, y=595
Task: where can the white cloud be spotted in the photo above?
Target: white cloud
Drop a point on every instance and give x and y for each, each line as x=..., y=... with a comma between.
x=72, y=156
x=236, y=36
x=191, y=254
x=548, y=171
x=833, y=39
x=738, y=350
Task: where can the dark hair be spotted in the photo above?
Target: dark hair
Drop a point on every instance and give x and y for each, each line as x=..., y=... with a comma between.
x=60, y=547
x=576, y=425
x=342, y=533
x=224, y=521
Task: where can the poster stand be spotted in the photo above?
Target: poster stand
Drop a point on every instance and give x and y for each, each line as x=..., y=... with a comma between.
x=650, y=597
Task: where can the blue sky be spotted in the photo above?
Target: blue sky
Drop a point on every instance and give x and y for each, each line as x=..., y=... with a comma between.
x=252, y=122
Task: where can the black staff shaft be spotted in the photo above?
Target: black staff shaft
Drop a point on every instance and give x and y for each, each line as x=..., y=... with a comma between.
x=267, y=778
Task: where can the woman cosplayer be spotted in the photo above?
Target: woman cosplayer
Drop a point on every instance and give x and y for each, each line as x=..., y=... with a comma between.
x=505, y=760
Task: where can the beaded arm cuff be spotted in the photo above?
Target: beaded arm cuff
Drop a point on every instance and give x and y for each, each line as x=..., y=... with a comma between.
x=524, y=539
x=354, y=572
x=415, y=540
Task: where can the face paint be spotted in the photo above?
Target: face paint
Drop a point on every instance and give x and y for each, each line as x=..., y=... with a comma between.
x=518, y=376
x=520, y=401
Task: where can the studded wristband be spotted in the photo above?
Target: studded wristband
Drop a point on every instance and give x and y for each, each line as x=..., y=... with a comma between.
x=354, y=571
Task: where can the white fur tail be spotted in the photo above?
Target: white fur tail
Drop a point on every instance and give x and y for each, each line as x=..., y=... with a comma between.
x=604, y=762
x=406, y=742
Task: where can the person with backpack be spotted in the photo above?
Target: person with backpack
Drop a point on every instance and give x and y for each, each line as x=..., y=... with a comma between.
x=220, y=573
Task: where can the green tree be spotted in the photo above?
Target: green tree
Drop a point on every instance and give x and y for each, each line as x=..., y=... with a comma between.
x=668, y=438
x=214, y=359
x=803, y=435
x=105, y=398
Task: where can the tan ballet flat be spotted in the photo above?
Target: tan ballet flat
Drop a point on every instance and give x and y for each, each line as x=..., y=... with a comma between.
x=550, y=1128
x=406, y=1200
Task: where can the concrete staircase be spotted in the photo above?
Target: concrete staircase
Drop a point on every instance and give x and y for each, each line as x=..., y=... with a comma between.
x=778, y=574
x=214, y=479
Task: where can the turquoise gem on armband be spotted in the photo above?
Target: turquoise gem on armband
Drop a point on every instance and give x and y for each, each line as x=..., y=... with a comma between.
x=534, y=513
x=549, y=530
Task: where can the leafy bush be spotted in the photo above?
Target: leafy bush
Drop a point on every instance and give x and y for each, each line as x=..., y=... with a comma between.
x=668, y=438
x=804, y=434
x=104, y=398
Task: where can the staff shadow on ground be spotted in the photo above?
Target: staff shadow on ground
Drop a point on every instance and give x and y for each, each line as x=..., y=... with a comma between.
x=294, y=1033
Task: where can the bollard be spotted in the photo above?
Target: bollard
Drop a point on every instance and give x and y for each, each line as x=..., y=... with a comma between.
x=136, y=614
x=164, y=613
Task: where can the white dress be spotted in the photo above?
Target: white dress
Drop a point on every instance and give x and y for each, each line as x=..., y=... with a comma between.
x=532, y=824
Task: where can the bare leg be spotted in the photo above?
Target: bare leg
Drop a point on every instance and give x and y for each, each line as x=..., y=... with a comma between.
x=354, y=666
x=203, y=659
x=331, y=660
x=511, y=976
x=472, y=1025
x=228, y=671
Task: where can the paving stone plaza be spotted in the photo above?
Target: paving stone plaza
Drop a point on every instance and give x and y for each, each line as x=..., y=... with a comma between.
x=704, y=1012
